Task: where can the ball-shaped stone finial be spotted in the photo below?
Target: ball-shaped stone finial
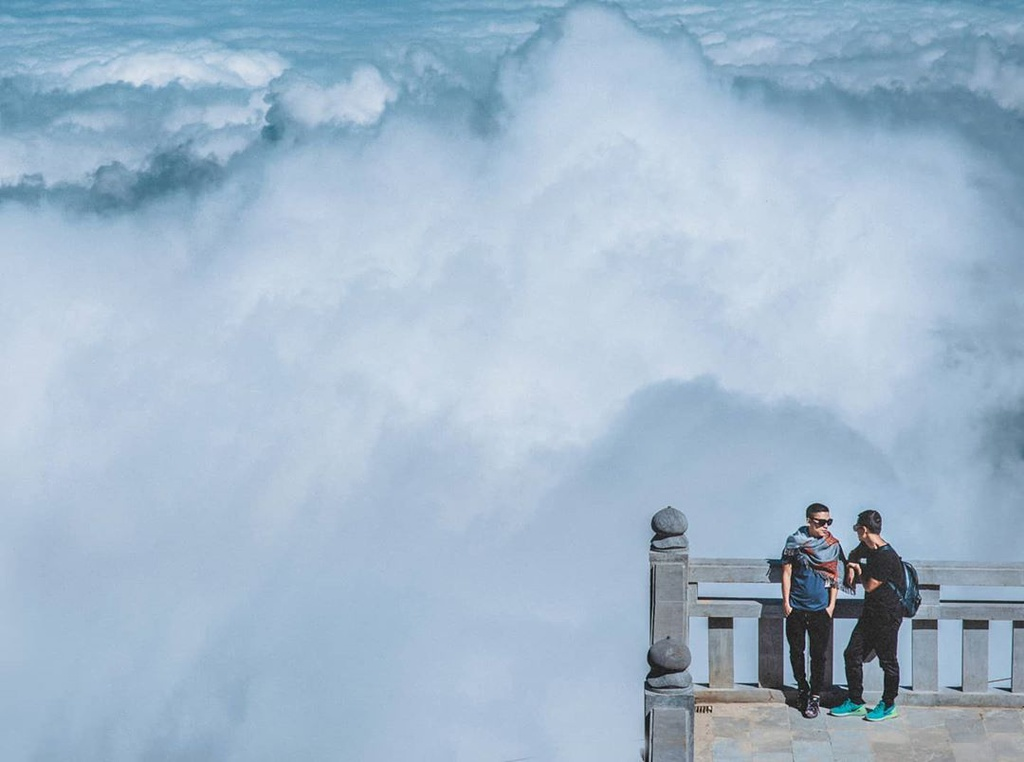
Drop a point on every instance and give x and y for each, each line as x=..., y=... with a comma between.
x=669, y=660
x=668, y=655
x=669, y=521
x=669, y=527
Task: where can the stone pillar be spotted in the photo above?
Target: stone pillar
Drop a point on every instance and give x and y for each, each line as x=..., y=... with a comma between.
x=669, y=703
x=925, y=654
x=670, y=575
x=1017, y=673
x=771, y=645
x=720, y=653
x=975, y=656
x=925, y=642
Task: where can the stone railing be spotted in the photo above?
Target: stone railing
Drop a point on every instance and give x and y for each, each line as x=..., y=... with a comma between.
x=670, y=695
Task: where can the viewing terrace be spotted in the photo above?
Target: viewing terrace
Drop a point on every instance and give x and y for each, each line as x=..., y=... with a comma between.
x=722, y=719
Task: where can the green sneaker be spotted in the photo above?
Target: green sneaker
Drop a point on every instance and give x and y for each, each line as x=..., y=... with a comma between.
x=848, y=709
x=882, y=712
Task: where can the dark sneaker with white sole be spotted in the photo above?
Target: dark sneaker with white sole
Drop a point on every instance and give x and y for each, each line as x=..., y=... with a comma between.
x=812, y=708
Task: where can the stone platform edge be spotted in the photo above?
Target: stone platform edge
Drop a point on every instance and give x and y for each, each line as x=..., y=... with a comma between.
x=953, y=697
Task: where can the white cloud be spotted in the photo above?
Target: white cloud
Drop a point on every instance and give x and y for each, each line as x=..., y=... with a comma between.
x=352, y=452
x=360, y=100
x=195, y=65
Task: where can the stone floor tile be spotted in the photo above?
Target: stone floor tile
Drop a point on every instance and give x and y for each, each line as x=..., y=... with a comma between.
x=853, y=729
x=816, y=751
x=776, y=717
x=810, y=732
x=961, y=714
x=732, y=711
x=937, y=737
x=972, y=752
x=786, y=756
x=853, y=747
x=933, y=753
x=887, y=729
x=966, y=730
x=887, y=741
x=1007, y=745
x=890, y=752
x=848, y=737
x=923, y=717
x=841, y=721
x=703, y=740
x=771, y=742
x=1004, y=721
x=730, y=727
x=797, y=720
x=841, y=755
x=729, y=750
x=757, y=728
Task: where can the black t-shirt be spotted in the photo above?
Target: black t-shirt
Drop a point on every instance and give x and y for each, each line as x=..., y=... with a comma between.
x=885, y=565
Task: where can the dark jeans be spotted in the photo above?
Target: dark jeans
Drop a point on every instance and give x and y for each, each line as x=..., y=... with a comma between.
x=876, y=631
x=817, y=627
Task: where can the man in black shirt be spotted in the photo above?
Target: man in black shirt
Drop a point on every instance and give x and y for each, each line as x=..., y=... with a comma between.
x=881, y=572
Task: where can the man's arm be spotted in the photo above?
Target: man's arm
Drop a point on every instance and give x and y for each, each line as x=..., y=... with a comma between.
x=852, y=570
x=871, y=584
x=787, y=581
x=833, y=593
x=879, y=570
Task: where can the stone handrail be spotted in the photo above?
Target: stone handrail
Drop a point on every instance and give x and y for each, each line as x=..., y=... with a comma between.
x=975, y=615
x=676, y=597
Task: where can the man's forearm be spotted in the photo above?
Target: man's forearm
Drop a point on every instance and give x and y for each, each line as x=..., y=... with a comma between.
x=787, y=578
x=870, y=584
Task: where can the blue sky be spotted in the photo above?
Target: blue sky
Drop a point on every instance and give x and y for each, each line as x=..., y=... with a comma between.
x=349, y=348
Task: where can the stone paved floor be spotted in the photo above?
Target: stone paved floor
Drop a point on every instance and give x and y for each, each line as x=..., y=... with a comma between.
x=770, y=732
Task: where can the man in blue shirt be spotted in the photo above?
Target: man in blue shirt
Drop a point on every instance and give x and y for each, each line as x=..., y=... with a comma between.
x=812, y=570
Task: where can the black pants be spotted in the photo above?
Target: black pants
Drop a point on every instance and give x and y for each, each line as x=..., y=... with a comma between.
x=876, y=631
x=815, y=626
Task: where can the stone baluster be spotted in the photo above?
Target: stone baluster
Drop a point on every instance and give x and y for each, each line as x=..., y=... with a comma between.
x=975, y=656
x=721, y=672
x=925, y=643
x=771, y=645
x=1017, y=670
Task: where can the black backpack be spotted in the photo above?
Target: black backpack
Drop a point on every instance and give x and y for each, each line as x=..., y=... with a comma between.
x=910, y=595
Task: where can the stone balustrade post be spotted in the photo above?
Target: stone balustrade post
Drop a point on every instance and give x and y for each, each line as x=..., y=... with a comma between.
x=670, y=577
x=669, y=703
x=668, y=689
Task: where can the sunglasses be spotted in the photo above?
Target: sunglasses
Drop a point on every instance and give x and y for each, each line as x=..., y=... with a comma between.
x=821, y=522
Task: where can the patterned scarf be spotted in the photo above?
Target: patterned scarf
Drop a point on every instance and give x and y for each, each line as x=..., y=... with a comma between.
x=822, y=555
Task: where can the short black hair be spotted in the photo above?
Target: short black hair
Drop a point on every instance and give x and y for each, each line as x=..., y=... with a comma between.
x=814, y=508
x=870, y=520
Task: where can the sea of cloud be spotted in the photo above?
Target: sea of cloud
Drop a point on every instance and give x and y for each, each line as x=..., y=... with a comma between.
x=348, y=351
